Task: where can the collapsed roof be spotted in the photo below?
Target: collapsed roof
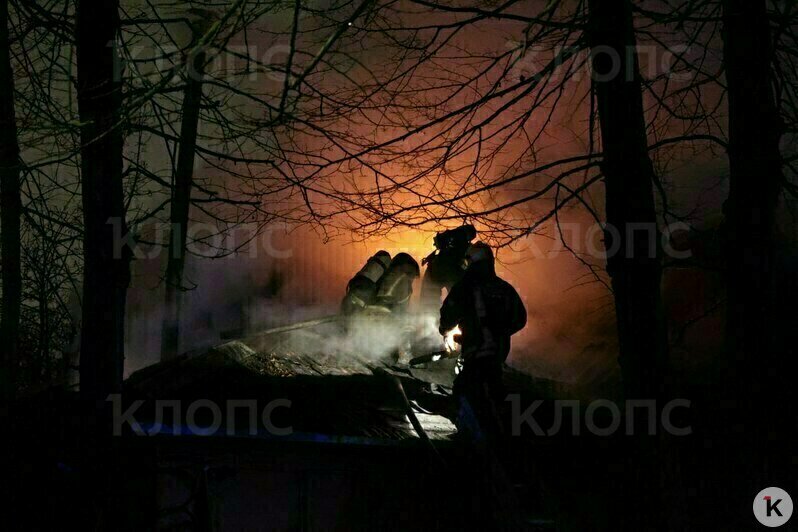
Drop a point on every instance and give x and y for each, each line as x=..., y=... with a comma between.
x=334, y=395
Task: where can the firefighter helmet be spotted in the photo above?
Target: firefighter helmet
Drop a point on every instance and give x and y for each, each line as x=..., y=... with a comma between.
x=478, y=252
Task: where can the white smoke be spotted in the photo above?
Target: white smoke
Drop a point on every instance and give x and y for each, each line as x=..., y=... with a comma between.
x=373, y=338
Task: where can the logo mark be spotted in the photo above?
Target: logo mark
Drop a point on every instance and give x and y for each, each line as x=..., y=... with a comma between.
x=772, y=507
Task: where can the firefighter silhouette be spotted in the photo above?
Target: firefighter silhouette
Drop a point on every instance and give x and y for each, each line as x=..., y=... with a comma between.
x=396, y=287
x=362, y=288
x=488, y=311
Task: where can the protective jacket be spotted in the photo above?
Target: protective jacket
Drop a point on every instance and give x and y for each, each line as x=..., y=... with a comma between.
x=487, y=309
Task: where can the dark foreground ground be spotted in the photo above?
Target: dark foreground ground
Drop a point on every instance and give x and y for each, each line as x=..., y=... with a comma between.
x=348, y=469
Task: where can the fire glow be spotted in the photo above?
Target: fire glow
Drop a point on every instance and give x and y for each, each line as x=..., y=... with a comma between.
x=448, y=340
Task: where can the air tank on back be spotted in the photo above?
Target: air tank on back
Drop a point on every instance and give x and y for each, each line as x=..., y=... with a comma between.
x=396, y=286
x=362, y=288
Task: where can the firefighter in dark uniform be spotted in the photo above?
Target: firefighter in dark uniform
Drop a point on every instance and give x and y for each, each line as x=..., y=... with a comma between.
x=488, y=311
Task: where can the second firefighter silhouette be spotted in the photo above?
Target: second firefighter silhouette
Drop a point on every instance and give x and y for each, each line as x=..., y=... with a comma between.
x=488, y=311
x=396, y=286
x=382, y=283
x=362, y=288
x=445, y=264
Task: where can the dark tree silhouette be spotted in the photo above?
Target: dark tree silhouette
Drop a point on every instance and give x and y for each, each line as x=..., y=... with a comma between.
x=106, y=260
x=633, y=261
x=755, y=182
x=11, y=212
x=632, y=237
x=181, y=201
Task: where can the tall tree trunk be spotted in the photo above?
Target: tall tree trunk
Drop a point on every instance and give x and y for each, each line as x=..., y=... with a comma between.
x=635, y=264
x=755, y=181
x=181, y=202
x=758, y=363
x=10, y=214
x=106, y=261
x=632, y=241
x=106, y=273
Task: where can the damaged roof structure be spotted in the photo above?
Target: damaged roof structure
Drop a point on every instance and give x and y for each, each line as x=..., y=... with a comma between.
x=331, y=397
x=362, y=441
